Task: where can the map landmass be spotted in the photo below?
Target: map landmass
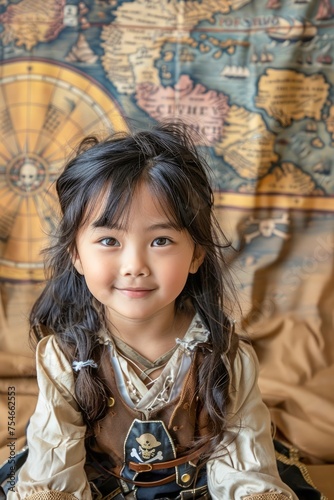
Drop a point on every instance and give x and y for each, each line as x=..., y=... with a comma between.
x=288, y=95
x=247, y=145
x=32, y=21
x=330, y=123
x=288, y=179
x=133, y=41
x=205, y=110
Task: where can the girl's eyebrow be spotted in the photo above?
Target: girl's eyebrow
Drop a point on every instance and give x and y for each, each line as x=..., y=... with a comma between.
x=163, y=225
x=102, y=224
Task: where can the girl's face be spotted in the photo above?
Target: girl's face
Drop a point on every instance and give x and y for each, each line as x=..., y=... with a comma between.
x=136, y=271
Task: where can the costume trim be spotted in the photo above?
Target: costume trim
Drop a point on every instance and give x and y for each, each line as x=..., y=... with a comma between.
x=294, y=459
x=267, y=496
x=51, y=495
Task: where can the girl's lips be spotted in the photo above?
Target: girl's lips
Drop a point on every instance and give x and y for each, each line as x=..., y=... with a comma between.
x=135, y=293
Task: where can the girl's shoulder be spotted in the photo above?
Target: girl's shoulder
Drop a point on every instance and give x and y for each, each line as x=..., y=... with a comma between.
x=48, y=350
x=246, y=351
x=243, y=375
x=245, y=366
x=54, y=371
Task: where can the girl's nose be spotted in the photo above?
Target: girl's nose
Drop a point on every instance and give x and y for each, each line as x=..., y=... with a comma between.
x=134, y=263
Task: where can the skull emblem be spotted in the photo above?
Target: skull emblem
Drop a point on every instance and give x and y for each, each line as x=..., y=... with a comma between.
x=267, y=227
x=28, y=176
x=147, y=444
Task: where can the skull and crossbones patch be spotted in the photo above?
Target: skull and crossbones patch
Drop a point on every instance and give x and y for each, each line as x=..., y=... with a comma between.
x=147, y=442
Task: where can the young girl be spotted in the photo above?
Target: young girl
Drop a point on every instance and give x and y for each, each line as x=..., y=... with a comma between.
x=145, y=390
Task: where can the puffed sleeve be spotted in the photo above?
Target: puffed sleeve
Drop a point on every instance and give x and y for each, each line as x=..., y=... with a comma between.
x=55, y=465
x=245, y=467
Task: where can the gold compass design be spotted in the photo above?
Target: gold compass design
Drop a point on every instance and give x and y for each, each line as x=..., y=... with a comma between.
x=45, y=109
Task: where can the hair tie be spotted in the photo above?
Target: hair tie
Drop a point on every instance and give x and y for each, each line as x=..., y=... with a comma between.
x=77, y=365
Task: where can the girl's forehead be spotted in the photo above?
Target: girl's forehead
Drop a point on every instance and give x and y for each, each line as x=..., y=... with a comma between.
x=142, y=202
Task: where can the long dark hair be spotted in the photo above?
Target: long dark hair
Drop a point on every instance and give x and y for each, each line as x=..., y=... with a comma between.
x=166, y=159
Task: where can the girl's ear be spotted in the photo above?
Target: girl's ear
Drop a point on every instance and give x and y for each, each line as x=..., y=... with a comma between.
x=76, y=261
x=199, y=254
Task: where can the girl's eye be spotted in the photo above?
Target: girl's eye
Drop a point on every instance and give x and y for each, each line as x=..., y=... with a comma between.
x=110, y=242
x=161, y=242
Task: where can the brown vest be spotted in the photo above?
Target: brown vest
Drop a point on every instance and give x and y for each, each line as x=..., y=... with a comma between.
x=183, y=417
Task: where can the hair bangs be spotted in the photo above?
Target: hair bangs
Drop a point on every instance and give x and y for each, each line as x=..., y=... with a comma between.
x=110, y=208
x=167, y=202
x=167, y=183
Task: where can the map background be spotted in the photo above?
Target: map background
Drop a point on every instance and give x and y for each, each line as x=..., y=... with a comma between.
x=257, y=77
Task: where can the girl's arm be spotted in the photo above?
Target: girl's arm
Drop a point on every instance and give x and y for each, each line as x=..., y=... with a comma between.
x=55, y=465
x=245, y=468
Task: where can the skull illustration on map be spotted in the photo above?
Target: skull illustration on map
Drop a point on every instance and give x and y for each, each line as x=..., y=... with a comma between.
x=28, y=176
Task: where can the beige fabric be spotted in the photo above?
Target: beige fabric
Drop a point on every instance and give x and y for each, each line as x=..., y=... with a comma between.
x=56, y=436
x=322, y=476
x=287, y=299
x=17, y=363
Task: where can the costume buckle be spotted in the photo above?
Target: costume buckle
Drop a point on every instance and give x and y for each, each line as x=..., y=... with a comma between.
x=144, y=467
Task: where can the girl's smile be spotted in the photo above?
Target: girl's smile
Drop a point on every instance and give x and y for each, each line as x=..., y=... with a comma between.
x=135, y=293
x=137, y=271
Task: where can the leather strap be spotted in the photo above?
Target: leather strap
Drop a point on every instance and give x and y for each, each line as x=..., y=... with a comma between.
x=143, y=484
x=146, y=484
x=147, y=467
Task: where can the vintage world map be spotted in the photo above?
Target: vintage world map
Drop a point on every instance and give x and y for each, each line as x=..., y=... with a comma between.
x=256, y=83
